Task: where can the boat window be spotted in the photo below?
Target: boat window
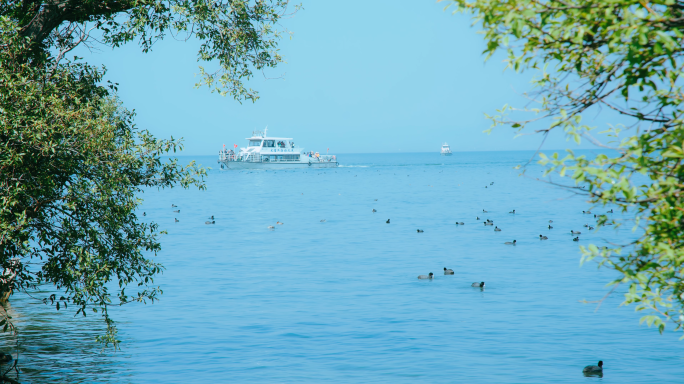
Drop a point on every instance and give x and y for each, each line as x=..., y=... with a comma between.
x=280, y=158
x=269, y=143
x=255, y=143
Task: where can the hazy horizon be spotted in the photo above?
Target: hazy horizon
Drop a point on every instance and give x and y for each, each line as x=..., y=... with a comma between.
x=406, y=76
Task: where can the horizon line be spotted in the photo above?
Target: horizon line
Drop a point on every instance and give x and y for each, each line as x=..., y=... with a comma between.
x=437, y=152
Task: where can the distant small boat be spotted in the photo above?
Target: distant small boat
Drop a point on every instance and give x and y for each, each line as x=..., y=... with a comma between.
x=446, y=151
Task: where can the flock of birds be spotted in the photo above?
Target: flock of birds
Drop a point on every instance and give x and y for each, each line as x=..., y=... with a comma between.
x=450, y=271
x=208, y=222
x=279, y=223
x=489, y=222
x=589, y=370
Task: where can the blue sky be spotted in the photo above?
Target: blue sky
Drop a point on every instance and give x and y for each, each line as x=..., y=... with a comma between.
x=366, y=76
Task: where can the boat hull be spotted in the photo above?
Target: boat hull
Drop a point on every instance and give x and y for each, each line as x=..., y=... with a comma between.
x=277, y=165
x=446, y=154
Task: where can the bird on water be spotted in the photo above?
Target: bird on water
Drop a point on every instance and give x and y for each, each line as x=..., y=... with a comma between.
x=428, y=276
x=550, y=227
x=543, y=237
x=420, y=231
x=178, y=211
x=448, y=271
x=173, y=205
x=387, y=221
x=594, y=368
x=510, y=243
x=176, y=220
x=497, y=229
x=374, y=210
x=210, y=222
x=513, y=211
x=576, y=239
x=478, y=285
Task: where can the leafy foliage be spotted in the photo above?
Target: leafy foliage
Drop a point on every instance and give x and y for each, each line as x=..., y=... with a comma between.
x=624, y=55
x=72, y=163
x=239, y=36
x=72, y=167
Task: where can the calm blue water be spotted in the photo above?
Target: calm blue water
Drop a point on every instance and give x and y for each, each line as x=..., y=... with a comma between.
x=339, y=301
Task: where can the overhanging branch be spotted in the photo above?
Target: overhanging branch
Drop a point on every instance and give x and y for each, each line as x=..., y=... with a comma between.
x=53, y=13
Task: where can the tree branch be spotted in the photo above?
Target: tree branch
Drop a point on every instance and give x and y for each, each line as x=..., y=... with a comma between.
x=52, y=13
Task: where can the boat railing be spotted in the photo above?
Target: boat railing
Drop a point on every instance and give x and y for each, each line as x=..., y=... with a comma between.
x=226, y=156
x=323, y=159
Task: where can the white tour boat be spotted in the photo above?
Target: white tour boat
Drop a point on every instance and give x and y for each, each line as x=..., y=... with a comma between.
x=446, y=151
x=267, y=152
